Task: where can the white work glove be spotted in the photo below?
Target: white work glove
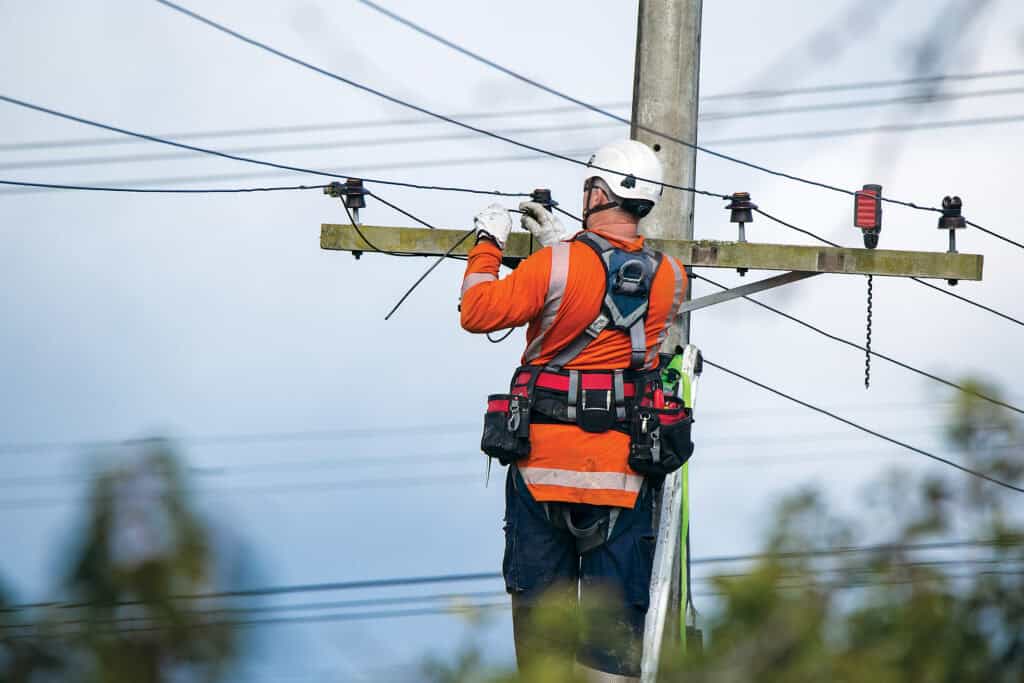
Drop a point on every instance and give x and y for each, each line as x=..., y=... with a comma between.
x=542, y=224
x=493, y=222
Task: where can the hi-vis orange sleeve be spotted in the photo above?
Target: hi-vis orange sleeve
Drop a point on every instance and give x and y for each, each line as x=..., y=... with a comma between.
x=490, y=304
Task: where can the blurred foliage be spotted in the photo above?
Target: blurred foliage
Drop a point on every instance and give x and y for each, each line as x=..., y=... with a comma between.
x=142, y=546
x=890, y=615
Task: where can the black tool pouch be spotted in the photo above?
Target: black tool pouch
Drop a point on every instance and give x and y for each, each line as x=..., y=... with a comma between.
x=676, y=425
x=506, y=428
x=659, y=440
x=595, y=410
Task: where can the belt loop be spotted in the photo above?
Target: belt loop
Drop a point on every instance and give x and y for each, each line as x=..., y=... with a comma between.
x=620, y=394
x=574, y=390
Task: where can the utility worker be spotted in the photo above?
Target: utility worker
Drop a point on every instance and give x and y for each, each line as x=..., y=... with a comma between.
x=578, y=516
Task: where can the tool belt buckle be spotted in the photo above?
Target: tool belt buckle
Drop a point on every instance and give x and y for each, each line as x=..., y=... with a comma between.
x=596, y=411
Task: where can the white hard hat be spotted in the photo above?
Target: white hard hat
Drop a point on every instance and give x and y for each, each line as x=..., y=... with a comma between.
x=627, y=161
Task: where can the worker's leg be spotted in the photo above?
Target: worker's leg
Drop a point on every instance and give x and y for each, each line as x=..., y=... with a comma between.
x=540, y=563
x=615, y=580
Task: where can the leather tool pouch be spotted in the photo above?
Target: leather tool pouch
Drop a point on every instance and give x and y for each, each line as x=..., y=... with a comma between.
x=506, y=428
x=660, y=439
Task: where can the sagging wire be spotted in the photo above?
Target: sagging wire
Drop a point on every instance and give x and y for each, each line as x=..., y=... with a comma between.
x=248, y=160
x=429, y=270
x=867, y=430
x=422, y=110
x=621, y=119
x=149, y=190
x=373, y=246
x=876, y=354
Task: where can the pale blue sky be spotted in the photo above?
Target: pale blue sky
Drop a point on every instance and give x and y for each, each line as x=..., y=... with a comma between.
x=196, y=315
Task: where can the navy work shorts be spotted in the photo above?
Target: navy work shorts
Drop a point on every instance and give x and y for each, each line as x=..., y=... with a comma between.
x=614, y=579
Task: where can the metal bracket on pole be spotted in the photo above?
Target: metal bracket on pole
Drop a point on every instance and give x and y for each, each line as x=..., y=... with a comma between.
x=745, y=290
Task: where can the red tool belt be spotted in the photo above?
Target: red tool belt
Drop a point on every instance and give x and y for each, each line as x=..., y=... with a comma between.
x=631, y=402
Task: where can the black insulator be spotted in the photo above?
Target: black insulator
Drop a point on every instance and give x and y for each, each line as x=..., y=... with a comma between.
x=543, y=197
x=952, y=218
x=741, y=207
x=354, y=193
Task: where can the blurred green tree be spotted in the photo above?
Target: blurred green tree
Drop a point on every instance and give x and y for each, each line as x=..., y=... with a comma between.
x=143, y=546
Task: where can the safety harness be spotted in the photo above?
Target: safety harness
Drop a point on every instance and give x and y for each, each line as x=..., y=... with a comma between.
x=598, y=400
x=629, y=400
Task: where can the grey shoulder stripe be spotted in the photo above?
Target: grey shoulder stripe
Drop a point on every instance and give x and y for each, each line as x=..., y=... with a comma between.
x=474, y=279
x=553, y=300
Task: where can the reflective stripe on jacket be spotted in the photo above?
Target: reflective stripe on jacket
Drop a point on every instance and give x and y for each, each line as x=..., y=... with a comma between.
x=559, y=291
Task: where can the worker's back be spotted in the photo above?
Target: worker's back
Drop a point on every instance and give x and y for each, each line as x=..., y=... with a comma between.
x=559, y=291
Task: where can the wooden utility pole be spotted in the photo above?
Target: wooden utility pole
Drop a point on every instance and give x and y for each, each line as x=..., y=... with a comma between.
x=665, y=99
x=665, y=94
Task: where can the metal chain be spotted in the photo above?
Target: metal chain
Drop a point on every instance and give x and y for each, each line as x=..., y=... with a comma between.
x=867, y=344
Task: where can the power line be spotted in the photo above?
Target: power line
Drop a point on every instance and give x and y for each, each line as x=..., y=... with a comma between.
x=854, y=345
x=295, y=147
x=459, y=601
x=287, y=129
x=291, y=589
x=233, y=157
x=463, y=161
x=871, y=130
x=868, y=85
x=536, y=84
x=996, y=235
x=937, y=458
x=415, y=107
x=376, y=123
x=266, y=591
x=915, y=279
x=242, y=438
x=418, y=139
x=94, y=188
x=859, y=104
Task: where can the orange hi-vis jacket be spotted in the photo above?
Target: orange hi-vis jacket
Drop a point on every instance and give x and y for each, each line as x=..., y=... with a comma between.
x=559, y=292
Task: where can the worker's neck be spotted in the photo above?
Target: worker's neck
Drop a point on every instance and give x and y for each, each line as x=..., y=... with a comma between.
x=615, y=222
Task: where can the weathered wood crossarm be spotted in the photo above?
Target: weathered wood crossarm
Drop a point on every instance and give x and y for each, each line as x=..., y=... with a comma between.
x=703, y=253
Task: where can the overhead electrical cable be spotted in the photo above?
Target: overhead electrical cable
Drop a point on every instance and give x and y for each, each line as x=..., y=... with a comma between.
x=249, y=160
x=851, y=423
x=418, y=164
x=278, y=590
x=415, y=107
x=867, y=85
x=996, y=235
x=859, y=347
x=375, y=123
x=582, y=153
x=536, y=84
x=403, y=140
x=151, y=190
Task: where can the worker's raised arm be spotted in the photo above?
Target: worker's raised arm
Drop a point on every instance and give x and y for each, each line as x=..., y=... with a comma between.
x=490, y=304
